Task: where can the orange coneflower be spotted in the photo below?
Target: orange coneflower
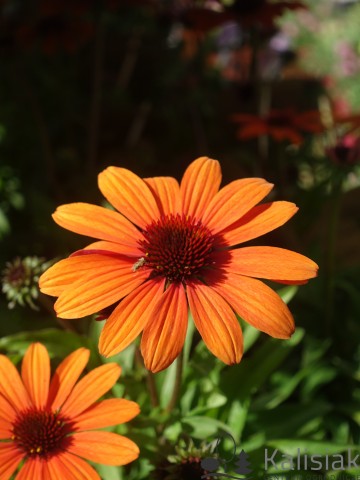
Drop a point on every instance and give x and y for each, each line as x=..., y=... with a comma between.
x=46, y=427
x=172, y=247
x=279, y=124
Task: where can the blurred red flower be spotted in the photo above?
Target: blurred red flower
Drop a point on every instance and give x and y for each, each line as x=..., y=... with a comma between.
x=281, y=125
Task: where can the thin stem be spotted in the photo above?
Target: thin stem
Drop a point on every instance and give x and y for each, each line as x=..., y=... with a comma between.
x=130, y=59
x=177, y=386
x=150, y=380
x=48, y=305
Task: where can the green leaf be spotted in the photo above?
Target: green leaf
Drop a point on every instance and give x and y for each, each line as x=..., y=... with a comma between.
x=237, y=382
x=58, y=342
x=108, y=472
x=204, y=427
x=310, y=447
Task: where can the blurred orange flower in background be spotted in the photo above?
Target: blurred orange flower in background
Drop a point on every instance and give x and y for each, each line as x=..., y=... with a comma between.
x=49, y=425
x=172, y=248
x=279, y=124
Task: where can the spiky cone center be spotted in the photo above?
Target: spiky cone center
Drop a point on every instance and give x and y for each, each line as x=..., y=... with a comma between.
x=177, y=247
x=41, y=433
x=15, y=274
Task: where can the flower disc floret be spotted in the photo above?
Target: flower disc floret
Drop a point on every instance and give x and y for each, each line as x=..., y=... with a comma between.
x=41, y=433
x=177, y=247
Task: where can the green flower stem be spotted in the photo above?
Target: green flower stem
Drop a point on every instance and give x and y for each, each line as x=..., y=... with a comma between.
x=177, y=385
x=48, y=305
x=150, y=380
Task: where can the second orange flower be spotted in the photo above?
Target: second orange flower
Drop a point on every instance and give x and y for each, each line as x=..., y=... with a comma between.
x=170, y=249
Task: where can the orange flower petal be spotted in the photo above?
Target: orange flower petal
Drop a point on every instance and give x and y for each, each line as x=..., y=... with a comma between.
x=35, y=374
x=67, y=466
x=164, y=336
x=97, y=222
x=66, y=376
x=33, y=468
x=6, y=410
x=11, y=386
x=90, y=388
x=68, y=271
x=5, y=430
x=233, y=201
x=258, y=221
x=65, y=272
x=104, y=447
x=129, y=194
x=115, y=248
x=130, y=317
x=216, y=323
x=201, y=181
x=109, y=282
x=256, y=303
x=270, y=263
x=10, y=457
x=106, y=414
x=166, y=192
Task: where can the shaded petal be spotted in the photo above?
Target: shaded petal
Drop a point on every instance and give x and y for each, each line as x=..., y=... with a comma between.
x=33, y=468
x=287, y=133
x=245, y=118
x=130, y=317
x=216, y=322
x=106, y=414
x=66, y=376
x=270, y=263
x=69, y=467
x=201, y=181
x=6, y=410
x=253, y=130
x=258, y=221
x=164, y=335
x=97, y=222
x=233, y=201
x=90, y=388
x=129, y=194
x=256, y=303
x=5, y=430
x=35, y=374
x=112, y=280
x=166, y=192
x=104, y=447
x=7, y=417
x=11, y=385
x=115, y=248
x=10, y=457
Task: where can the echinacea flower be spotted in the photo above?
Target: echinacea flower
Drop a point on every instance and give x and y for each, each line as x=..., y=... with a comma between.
x=279, y=124
x=48, y=427
x=346, y=151
x=170, y=249
x=20, y=280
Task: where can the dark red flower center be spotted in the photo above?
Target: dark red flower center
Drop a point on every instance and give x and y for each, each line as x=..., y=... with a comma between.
x=41, y=432
x=279, y=119
x=176, y=247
